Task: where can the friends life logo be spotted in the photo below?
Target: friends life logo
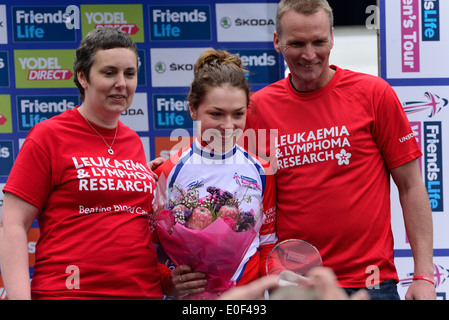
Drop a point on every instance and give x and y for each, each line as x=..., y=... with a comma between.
x=430, y=16
x=34, y=109
x=4, y=69
x=168, y=23
x=41, y=24
x=263, y=65
x=44, y=68
x=171, y=111
x=433, y=105
x=433, y=164
x=6, y=157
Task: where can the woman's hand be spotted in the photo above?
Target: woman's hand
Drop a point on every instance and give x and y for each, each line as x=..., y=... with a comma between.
x=153, y=164
x=185, y=281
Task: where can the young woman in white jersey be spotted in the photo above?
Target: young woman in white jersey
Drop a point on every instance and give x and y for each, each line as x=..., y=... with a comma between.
x=218, y=101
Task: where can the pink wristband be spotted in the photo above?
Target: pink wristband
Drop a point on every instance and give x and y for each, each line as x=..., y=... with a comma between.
x=426, y=278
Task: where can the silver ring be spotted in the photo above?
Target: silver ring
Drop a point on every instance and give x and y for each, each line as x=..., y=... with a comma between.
x=180, y=278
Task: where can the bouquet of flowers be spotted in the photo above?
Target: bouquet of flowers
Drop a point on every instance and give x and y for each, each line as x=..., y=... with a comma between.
x=210, y=234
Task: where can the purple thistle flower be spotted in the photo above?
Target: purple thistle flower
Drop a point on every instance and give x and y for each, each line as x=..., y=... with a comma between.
x=227, y=195
x=187, y=214
x=245, y=221
x=213, y=190
x=217, y=207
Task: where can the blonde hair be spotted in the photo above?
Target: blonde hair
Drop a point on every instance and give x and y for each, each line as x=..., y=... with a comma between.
x=213, y=69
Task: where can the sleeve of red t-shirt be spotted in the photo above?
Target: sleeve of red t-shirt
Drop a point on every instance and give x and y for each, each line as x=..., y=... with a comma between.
x=31, y=176
x=391, y=125
x=165, y=273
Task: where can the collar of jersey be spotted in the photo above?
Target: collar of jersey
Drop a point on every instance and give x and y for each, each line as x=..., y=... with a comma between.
x=201, y=149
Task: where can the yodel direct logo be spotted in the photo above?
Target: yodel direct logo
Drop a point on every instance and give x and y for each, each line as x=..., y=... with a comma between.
x=180, y=22
x=112, y=20
x=41, y=24
x=126, y=17
x=44, y=68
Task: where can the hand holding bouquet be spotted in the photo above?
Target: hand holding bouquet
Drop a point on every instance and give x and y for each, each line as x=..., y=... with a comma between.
x=210, y=234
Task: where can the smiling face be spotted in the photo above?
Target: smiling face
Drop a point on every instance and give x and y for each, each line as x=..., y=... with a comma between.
x=221, y=116
x=306, y=42
x=111, y=85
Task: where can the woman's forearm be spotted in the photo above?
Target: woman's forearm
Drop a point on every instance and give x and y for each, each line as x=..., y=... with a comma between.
x=14, y=262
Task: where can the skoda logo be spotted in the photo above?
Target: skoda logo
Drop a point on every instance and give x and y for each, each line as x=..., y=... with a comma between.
x=225, y=22
x=160, y=67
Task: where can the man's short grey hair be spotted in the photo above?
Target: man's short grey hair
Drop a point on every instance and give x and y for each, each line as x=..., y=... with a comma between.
x=306, y=7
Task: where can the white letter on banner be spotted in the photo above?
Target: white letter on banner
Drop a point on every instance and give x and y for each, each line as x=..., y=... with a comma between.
x=75, y=17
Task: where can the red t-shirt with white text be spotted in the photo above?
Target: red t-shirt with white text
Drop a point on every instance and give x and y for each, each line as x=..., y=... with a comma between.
x=333, y=148
x=94, y=210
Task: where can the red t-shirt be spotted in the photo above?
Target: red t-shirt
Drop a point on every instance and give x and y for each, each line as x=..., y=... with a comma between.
x=333, y=149
x=94, y=211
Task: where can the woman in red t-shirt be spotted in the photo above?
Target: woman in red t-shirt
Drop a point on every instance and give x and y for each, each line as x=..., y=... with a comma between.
x=83, y=175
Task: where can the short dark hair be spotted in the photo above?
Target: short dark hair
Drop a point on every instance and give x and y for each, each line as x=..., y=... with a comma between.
x=101, y=38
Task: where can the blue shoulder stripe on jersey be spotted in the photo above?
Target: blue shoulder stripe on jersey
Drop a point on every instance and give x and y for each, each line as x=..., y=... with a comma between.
x=241, y=272
x=179, y=166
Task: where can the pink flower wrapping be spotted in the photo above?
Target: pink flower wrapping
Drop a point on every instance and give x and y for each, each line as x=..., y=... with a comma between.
x=217, y=249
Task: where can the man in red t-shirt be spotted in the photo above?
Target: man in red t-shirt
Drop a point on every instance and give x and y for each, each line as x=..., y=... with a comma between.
x=339, y=137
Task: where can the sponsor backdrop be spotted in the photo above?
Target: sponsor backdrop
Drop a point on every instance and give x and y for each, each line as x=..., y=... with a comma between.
x=37, y=45
x=413, y=59
x=37, y=48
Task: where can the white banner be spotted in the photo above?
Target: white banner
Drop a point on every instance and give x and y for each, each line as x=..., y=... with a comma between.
x=414, y=41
